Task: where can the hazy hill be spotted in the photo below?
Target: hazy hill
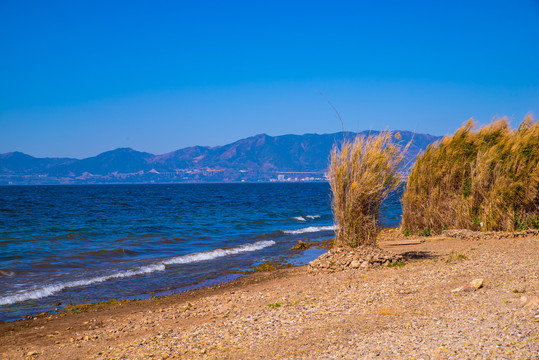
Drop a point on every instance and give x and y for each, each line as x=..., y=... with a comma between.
x=19, y=163
x=257, y=158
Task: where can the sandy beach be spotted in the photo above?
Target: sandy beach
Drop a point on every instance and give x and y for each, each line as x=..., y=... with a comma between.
x=426, y=309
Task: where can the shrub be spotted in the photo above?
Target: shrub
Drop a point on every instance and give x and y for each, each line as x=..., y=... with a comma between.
x=488, y=177
x=362, y=174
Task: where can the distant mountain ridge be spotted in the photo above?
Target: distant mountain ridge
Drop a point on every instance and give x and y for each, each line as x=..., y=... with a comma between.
x=257, y=158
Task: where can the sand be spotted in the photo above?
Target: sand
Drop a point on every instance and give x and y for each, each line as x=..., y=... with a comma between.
x=426, y=309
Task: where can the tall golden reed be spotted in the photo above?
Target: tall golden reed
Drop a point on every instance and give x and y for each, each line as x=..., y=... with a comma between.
x=486, y=179
x=362, y=174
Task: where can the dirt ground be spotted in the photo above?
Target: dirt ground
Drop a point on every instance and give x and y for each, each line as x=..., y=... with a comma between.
x=425, y=309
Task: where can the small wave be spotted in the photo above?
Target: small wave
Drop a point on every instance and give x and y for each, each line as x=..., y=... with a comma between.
x=152, y=229
x=272, y=234
x=259, y=222
x=312, y=217
x=310, y=229
x=46, y=266
x=41, y=292
x=173, y=240
x=107, y=253
x=299, y=218
x=213, y=254
x=6, y=272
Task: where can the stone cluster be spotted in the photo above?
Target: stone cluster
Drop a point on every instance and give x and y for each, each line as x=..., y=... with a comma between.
x=483, y=235
x=364, y=257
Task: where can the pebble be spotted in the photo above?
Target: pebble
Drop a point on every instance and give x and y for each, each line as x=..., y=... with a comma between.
x=477, y=283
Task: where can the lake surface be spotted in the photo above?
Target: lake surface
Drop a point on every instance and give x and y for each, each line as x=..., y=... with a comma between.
x=79, y=244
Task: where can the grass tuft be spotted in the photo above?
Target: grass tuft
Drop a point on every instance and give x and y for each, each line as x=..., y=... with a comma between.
x=454, y=257
x=362, y=174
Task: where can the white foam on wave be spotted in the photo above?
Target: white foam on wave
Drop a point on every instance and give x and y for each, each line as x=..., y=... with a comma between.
x=299, y=218
x=209, y=255
x=41, y=292
x=310, y=229
x=312, y=217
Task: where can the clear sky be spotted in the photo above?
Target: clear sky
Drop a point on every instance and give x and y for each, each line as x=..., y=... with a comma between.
x=81, y=77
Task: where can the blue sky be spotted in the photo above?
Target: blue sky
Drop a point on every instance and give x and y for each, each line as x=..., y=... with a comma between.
x=81, y=77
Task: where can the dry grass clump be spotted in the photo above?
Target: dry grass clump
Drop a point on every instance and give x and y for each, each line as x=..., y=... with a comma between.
x=486, y=179
x=362, y=174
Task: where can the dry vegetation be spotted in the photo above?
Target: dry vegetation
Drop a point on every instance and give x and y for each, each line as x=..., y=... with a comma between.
x=486, y=179
x=362, y=174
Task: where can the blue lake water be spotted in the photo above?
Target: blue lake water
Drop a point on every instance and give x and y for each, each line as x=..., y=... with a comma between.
x=79, y=244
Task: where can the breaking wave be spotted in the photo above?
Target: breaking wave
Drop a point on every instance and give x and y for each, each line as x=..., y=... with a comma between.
x=310, y=229
x=48, y=290
x=209, y=255
x=303, y=218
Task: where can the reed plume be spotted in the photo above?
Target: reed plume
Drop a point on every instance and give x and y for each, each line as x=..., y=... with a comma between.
x=486, y=179
x=362, y=173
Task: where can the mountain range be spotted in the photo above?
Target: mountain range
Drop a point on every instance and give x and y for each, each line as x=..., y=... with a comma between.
x=257, y=158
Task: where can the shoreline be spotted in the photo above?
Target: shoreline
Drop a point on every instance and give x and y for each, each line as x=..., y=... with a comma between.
x=245, y=277
x=225, y=278
x=352, y=313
